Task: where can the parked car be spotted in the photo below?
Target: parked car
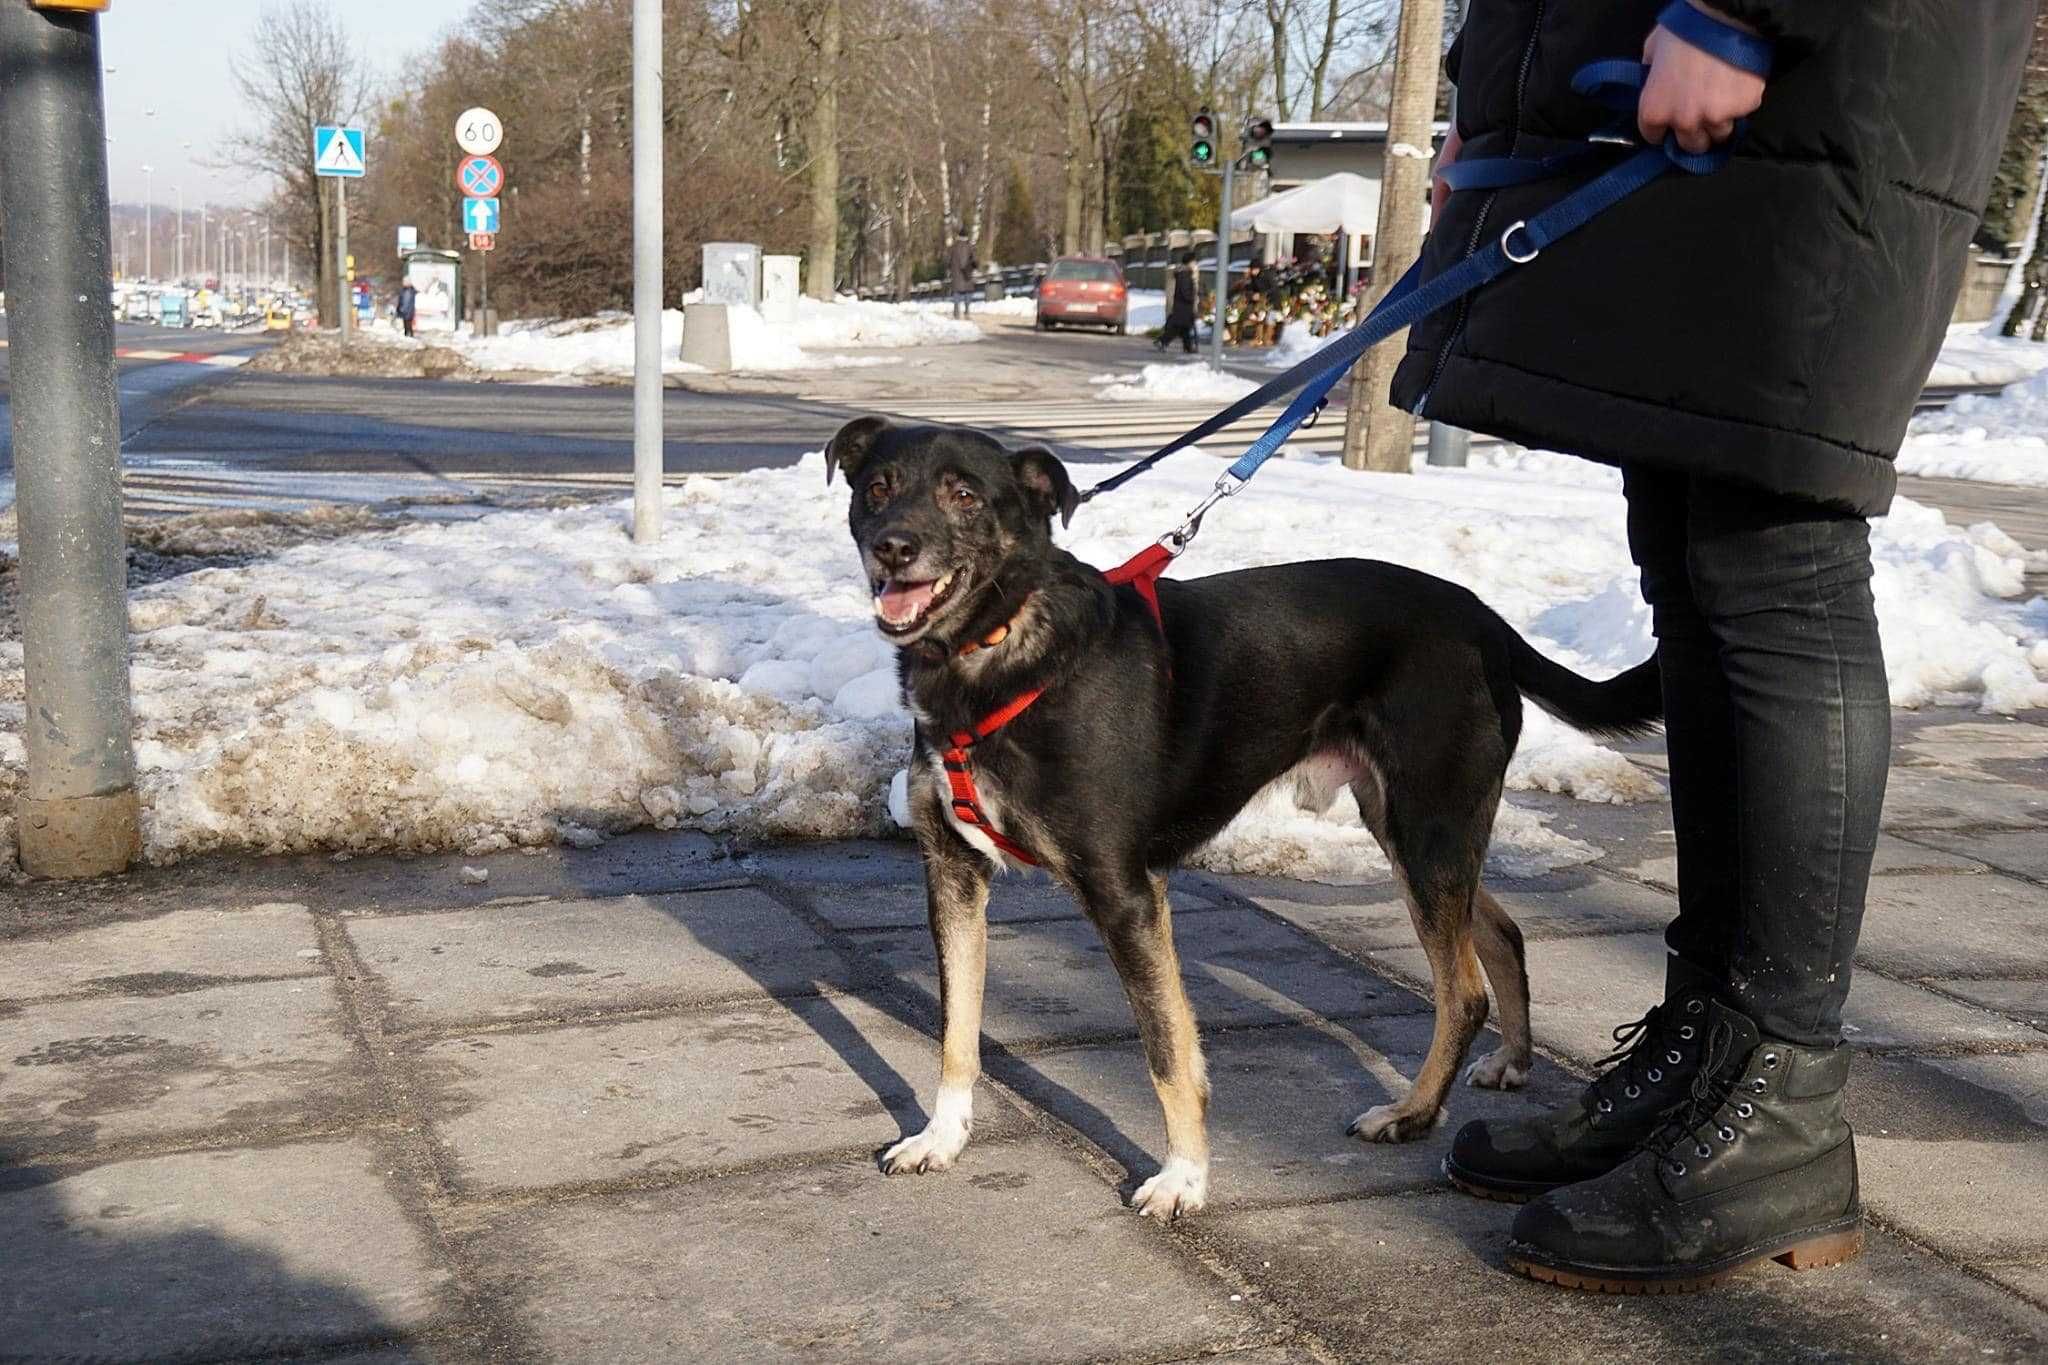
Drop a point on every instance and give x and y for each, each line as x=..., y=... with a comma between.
x=1084, y=291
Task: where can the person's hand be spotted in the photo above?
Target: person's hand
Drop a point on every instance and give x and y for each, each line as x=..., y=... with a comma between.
x=1691, y=93
x=1438, y=190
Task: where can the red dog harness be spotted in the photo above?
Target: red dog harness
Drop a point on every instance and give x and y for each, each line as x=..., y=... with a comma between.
x=1142, y=572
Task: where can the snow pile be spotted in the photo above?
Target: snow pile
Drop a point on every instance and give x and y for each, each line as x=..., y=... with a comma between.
x=1145, y=309
x=1187, y=381
x=533, y=676
x=1974, y=353
x=1296, y=344
x=1019, y=305
x=2000, y=438
x=602, y=346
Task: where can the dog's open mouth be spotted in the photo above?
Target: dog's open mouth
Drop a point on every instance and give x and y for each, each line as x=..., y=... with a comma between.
x=901, y=606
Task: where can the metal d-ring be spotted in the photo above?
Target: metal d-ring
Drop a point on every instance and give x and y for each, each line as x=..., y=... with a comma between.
x=1519, y=225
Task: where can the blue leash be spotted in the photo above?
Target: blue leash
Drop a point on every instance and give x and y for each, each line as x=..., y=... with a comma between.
x=1614, y=83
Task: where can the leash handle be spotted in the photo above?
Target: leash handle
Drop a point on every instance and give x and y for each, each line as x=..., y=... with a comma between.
x=1737, y=47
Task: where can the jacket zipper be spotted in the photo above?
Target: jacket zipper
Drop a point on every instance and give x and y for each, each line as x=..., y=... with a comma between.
x=1443, y=355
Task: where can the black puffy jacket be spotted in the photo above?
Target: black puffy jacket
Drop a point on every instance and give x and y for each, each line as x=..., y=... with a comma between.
x=1771, y=323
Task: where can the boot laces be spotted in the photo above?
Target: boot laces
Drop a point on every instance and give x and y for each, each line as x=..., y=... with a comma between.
x=1709, y=1091
x=1632, y=1061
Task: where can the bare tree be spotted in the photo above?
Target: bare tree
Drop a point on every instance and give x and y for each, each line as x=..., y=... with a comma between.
x=302, y=70
x=824, y=139
x=1377, y=435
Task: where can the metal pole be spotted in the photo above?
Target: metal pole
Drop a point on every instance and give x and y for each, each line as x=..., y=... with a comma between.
x=1222, y=256
x=647, y=431
x=181, y=233
x=148, y=222
x=77, y=814
x=341, y=280
x=1449, y=445
x=202, y=244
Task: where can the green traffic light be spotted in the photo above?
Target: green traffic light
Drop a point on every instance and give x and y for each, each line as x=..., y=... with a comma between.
x=1260, y=157
x=1203, y=153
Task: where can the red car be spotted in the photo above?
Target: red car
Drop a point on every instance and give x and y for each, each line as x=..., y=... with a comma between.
x=1083, y=290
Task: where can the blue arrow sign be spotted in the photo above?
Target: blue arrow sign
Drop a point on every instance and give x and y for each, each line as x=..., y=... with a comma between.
x=480, y=176
x=479, y=215
x=337, y=150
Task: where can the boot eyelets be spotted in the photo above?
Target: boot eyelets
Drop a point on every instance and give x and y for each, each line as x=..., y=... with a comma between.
x=1726, y=1134
x=1759, y=1085
x=1685, y=1031
x=1703, y=1151
x=1693, y=1006
x=1674, y=1056
x=1654, y=1075
x=1606, y=1106
x=1634, y=1092
x=1744, y=1110
x=1678, y=1168
x=1770, y=1061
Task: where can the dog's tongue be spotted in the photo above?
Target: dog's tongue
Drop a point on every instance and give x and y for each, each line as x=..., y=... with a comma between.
x=900, y=603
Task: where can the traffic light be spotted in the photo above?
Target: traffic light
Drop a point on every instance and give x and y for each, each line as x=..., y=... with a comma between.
x=1258, y=140
x=1203, y=151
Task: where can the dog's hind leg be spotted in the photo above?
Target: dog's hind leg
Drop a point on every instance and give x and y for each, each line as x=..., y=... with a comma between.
x=1136, y=923
x=1499, y=941
x=956, y=900
x=1437, y=851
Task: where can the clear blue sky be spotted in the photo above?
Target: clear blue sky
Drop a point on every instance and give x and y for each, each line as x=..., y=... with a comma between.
x=177, y=58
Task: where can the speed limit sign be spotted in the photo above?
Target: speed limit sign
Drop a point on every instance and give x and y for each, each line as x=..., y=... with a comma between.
x=478, y=131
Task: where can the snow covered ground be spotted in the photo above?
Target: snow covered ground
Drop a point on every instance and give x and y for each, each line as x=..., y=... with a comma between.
x=1974, y=353
x=1187, y=380
x=532, y=676
x=603, y=346
x=1989, y=438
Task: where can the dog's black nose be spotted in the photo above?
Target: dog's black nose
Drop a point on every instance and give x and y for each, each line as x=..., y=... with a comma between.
x=896, y=550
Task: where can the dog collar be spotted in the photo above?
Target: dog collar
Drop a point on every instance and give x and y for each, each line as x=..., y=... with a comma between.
x=999, y=634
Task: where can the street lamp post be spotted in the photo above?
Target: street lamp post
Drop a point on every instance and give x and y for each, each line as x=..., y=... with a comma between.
x=181, y=232
x=148, y=224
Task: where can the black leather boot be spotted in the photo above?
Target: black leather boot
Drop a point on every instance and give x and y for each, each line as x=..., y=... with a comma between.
x=1649, y=1071
x=1758, y=1164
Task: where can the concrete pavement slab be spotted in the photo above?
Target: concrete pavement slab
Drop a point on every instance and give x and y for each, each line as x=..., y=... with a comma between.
x=1596, y=904
x=1020, y=1255
x=641, y=862
x=902, y=905
x=1421, y=1278
x=180, y=951
x=1580, y=988
x=1052, y=981
x=96, y=1071
x=600, y=1102
x=2021, y=1076
x=554, y=957
x=1919, y=1099
x=1917, y=799
x=1280, y=1100
x=1894, y=857
x=2024, y=998
x=207, y=1254
x=1954, y=926
x=1970, y=1200
x=2022, y=851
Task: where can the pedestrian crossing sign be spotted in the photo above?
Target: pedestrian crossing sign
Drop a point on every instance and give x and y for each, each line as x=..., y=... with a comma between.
x=337, y=150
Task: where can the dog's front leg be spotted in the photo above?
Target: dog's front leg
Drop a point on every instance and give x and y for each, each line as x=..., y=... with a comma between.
x=1137, y=926
x=956, y=899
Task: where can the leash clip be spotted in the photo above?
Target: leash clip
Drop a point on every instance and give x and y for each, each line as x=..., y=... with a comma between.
x=1177, y=540
x=1506, y=238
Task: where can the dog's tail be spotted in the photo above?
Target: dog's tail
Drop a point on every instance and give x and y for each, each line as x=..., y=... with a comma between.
x=1627, y=704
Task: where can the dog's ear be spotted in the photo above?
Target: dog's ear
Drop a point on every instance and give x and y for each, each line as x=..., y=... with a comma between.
x=1046, y=483
x=852, y=446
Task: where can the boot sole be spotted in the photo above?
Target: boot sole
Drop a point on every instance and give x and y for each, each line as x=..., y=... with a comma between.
x=1813, y=1249
x=1479, y=1190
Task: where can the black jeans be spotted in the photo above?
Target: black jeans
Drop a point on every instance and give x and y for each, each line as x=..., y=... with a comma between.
x=1778, y=727
x=1183, y=332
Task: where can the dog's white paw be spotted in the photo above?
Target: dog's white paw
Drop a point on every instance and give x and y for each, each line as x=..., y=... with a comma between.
x=1390, y=1123
x=942, y=1140
x=1180, y=1188
x=1498, y=1070
x=936, y=1148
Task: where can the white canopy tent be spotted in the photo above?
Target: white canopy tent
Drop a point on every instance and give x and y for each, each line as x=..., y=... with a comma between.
x=1344, y=202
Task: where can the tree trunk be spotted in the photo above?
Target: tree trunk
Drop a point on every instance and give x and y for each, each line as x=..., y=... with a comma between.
x=1320, y=74
x=1277, y=15
x=1377, y=435
x=822, y=271
x=1077, y=166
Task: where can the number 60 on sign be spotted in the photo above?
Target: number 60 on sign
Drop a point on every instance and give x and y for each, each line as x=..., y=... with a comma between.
x=478, y=131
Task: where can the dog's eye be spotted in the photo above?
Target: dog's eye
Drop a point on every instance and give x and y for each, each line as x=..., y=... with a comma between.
x=965, y=497
x=878, y=492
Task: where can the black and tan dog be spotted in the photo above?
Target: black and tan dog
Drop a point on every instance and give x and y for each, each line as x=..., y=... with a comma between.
x=1146, y=736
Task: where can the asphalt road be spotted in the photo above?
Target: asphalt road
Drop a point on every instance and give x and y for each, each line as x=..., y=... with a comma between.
x=148, y=387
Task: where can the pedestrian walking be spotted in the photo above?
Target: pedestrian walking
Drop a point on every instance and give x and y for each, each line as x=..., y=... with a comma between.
x=960, y=268
x=1747, y=347
x=1180, y=306
x=407, y=306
